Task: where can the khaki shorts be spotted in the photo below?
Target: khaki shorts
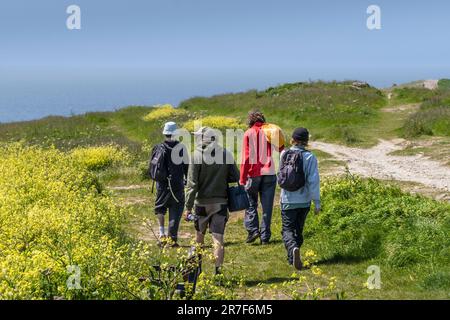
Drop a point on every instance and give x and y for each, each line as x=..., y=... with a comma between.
x=213, y=216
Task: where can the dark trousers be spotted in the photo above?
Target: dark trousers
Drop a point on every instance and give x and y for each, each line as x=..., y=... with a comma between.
x=166, y=202
x=264, y=187
x=175, y=213
x=293, y=222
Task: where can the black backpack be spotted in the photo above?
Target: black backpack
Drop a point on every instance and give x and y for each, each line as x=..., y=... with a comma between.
x=291, y=176
x=159, y=169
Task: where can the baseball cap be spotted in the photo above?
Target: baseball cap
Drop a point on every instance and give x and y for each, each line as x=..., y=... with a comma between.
x=300, y=134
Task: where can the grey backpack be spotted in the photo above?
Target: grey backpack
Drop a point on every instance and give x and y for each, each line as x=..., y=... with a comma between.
x=291, y=176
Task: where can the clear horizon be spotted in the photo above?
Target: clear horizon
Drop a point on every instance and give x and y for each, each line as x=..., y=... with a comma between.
x=151, y=52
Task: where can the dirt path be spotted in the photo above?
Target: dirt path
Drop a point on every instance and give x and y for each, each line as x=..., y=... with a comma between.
x=378, y=163
x=431, y=84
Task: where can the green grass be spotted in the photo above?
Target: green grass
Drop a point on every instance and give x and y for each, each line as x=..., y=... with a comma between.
x=333, y=111
x=264, y=266
x=409, y=95
x=433, y=117
x=444, y=84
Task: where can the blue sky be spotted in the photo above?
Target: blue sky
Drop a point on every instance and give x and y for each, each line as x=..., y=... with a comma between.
x=225, y=34
x=145, y=52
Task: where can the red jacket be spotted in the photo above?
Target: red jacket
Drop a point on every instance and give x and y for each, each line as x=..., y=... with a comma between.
x=257, y=154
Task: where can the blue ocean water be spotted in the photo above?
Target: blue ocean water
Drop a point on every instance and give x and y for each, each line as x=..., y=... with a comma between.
x=27, y=94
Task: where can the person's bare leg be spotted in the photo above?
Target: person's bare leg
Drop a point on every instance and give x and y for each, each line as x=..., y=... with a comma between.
x=200, y=238
x=219, y=250
x=161, y=225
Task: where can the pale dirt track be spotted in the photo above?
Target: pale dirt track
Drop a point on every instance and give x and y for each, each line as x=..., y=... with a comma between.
x=378, y=163
x=431, y=84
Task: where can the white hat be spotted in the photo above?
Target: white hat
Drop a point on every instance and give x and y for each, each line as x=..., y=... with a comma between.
x=170, y=128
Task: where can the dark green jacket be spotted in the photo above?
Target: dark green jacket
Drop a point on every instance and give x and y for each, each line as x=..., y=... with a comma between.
x=208, y=182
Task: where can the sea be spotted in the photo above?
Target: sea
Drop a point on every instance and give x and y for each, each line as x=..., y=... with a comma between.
x=34, y=93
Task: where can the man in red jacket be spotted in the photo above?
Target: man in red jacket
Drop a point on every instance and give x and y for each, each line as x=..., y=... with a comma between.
x=258, y=175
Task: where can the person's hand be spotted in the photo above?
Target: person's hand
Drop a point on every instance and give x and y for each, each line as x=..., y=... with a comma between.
x=317, y=210
x=186, y=215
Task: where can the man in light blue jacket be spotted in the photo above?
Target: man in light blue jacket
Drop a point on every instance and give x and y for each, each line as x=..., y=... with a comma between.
x=296, y=205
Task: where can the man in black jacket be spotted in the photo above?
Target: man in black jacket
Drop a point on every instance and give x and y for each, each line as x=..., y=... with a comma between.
x=170, y=193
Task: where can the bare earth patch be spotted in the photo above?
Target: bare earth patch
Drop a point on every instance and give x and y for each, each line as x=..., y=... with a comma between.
x=409, y=108
x=132, y=187
x=430, y=84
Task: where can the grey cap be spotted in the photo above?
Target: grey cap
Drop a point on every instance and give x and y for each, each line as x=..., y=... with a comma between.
x=170, y=128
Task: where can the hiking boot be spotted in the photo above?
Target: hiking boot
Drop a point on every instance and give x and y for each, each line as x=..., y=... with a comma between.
x=297, y=262
x=252, y=237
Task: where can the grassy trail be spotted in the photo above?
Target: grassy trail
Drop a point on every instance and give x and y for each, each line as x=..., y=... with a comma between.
x=265, y=268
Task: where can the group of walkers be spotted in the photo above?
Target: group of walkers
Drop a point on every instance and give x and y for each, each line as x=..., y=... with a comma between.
x=198, y=185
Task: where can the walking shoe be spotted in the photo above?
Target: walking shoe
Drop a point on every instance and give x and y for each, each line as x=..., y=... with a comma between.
x=252, y=237
x=297, y=261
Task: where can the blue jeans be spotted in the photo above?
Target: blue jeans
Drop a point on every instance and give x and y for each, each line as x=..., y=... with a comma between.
x=263, y=187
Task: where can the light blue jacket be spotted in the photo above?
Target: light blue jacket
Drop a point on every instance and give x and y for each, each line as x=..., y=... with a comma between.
x=311, y=190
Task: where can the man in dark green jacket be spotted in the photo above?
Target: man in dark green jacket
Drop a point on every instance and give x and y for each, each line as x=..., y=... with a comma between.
x=211, y=170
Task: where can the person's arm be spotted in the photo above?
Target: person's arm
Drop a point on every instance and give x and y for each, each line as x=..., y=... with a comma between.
x=245, y=165
x=192, y=185
x=233, y=173
x=313, y=180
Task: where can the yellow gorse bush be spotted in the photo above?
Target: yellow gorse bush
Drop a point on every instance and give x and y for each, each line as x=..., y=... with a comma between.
x=163, y=112
x=52, y=216
x=61, y=236
x=215, y=122
x=97, y=158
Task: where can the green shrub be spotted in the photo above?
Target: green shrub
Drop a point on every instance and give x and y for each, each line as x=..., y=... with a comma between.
x=412, y=95
x=433, y=117
x=365, y=219
x=444, y=84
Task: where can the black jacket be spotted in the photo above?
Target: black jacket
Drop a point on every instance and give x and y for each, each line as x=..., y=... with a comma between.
x=178, y=173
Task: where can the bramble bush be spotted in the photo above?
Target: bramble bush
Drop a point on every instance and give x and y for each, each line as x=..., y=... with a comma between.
x=98, y=158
